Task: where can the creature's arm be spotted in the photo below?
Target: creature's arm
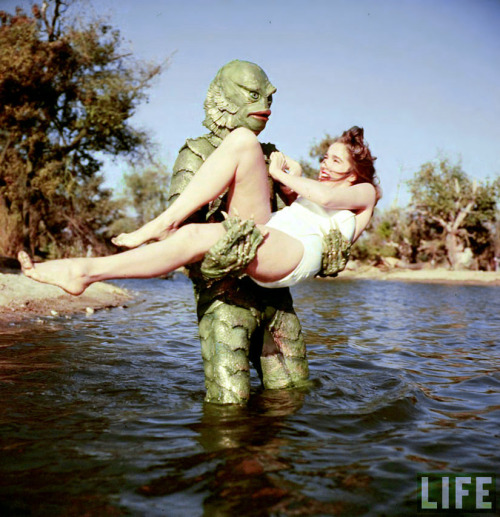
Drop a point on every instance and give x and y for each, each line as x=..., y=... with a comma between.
x=278, y=196
x=185, y=167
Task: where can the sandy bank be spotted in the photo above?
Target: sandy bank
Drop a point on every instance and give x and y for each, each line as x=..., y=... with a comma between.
x=21, y=297
x=438, y=275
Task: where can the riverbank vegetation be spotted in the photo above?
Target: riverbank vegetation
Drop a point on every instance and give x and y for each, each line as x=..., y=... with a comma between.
x=451, y=220
x=68, y=90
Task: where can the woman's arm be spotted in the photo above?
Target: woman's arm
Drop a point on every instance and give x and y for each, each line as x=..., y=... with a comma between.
x=362, y=220
x=326, y=193
x=294, y=169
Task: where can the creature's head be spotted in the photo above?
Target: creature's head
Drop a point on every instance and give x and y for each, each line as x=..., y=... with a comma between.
x=239, y=96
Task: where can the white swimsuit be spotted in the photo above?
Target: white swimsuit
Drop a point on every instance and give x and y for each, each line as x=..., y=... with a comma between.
x=308, y=222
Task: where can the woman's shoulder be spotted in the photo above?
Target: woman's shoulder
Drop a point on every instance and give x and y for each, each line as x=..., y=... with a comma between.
x=369, y=192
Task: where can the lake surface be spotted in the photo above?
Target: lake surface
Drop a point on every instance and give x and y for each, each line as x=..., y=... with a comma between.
x=103, y=415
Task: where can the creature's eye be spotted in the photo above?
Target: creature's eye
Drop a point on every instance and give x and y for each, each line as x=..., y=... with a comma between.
x=254, y=95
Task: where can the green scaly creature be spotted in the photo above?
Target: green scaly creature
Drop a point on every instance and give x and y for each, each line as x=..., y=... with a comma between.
x=240, y=321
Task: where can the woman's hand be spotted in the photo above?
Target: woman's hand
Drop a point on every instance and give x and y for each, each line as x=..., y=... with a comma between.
x=277, y=165
x=294, y=168
x=277, y=169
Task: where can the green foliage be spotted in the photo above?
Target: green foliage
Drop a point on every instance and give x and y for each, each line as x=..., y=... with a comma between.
x=308, y=170
x=145, y=194
x=451, y=207
x=66, y=96
x=319, y=150
x=388, y=235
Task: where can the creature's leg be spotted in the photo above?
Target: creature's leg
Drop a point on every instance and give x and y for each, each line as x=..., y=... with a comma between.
x=261, y=327
x=283, y=360
x=237, y=165
x=74, y=275
x=225, y=332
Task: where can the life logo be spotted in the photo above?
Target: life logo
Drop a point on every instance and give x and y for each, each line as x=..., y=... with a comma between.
x=456, y=493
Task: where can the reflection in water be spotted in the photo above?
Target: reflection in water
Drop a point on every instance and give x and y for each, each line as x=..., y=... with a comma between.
x=241, y=455
x=104, y=415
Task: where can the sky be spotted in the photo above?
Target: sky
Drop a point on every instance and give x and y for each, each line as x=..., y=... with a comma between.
x=421, y=76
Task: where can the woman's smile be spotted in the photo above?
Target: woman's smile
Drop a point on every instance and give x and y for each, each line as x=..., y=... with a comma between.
x=335, y=164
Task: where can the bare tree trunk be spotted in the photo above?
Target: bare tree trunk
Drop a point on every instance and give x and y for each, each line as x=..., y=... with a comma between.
x=26, y=226
x=451, y=243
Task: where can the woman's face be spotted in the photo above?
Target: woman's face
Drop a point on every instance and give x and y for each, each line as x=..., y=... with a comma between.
x=335, y=163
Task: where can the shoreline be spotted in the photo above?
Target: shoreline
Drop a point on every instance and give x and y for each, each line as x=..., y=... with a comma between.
x=424, y=275
x=22, y=298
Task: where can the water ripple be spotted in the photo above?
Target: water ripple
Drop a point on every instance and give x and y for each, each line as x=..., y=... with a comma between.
x=104, y=415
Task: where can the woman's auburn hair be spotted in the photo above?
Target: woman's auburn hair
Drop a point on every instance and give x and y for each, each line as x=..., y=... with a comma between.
x=361, y=157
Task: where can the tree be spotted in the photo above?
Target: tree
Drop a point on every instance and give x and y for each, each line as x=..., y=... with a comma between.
x=389, y=234
x=451, y=205
x=145, y=193
x=66, y=96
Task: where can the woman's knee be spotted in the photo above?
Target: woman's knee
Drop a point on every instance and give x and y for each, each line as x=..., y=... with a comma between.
x=201, y=237
x=189, y=233
x=244, y=139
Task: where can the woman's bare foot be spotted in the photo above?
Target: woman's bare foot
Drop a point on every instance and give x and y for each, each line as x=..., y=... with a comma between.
x=130, y=240
x=68, y=274
x=148, y=232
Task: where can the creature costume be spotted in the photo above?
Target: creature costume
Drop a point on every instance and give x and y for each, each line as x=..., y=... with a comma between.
x=240, y=321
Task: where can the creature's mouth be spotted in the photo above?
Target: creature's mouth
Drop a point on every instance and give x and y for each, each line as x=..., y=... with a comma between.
x=261, y=115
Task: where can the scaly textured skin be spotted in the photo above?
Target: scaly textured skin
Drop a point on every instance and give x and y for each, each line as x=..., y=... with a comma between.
x=239, y=321
x=336, y=252
x=232, y=254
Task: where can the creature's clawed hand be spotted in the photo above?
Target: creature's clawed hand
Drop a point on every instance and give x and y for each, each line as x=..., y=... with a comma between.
x=336, y=251
x=232, y=254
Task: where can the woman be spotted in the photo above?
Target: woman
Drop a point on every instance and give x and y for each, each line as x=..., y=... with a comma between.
x=344, y=196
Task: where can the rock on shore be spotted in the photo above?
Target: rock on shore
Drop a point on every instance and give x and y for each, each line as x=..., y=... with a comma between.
x=21, y=297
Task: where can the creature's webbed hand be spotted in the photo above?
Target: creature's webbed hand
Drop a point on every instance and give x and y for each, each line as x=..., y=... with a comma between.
x=232, y=254
x=336, y=251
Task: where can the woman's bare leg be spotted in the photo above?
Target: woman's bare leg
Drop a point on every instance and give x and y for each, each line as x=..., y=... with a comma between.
x=74, y=275
x=238, y=165
x=277, y=256
x=188, y=244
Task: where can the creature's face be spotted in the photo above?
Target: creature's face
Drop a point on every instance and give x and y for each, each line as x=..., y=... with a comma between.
x=336, y=163
x=239, y=96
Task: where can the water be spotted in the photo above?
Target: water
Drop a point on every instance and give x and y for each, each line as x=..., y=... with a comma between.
x=104, y=414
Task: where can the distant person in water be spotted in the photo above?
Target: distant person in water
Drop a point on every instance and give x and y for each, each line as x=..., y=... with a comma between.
x=344, y=196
